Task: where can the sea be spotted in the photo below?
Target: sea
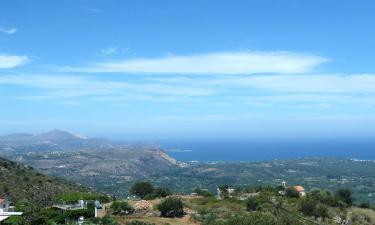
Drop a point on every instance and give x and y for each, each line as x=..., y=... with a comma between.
x=260, y=150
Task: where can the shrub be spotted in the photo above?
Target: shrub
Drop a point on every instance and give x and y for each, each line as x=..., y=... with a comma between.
x=201, y=192
x=345, y=195
x=108, y=221
x=365, y=205
x=161, y=192
x=291, y=193
x=142, y=189
x=171, y=207
x=120, y=208
x=252, y=204
x=137, y=222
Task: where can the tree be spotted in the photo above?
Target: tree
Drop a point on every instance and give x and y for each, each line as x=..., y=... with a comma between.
x=224, y=191
x=252, y=204
x=142, y=189
x=119, y=208
x=291, y=193
x=171, y=207
x=345, y=195
x=161, y=192
x=307, y=206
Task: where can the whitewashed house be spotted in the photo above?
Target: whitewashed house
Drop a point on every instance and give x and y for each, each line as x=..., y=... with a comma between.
x=5, y=211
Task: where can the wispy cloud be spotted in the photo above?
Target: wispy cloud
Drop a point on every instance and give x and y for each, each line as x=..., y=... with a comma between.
x=51, y=86
x=219, y=63
x=11, y=30
x=93, y=10
x=11, y=61
x=319, y=91
x=109, y=50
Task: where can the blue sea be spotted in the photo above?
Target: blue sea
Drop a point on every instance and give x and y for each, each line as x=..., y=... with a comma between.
x=259, y=150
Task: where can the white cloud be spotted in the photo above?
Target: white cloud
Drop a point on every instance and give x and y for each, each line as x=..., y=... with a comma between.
x=109, y=50
x=50, y=86
x=11, y=30
x=11, y=61
x=318, y=91
x=219, y=63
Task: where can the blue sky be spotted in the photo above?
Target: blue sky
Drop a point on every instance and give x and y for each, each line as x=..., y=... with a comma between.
x=204, y=69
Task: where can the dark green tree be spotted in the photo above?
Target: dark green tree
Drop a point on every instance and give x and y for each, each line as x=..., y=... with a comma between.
x=121, y=208
x=142, y=189
x=171, y=207
x=161, y=192
x=345, y=195
x=291, y=193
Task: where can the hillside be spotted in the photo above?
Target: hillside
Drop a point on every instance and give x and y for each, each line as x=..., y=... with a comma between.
x=24, y=184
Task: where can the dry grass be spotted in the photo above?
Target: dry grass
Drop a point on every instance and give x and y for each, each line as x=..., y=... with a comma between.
x=161, y=221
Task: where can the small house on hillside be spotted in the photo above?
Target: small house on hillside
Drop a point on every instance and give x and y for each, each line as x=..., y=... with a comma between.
x=4, y=204
x=5, y=209
x=300, y=190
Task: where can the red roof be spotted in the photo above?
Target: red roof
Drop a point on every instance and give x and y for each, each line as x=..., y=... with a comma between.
x=299, y=188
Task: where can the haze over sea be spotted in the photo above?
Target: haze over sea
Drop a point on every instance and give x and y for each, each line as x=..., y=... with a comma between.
x=258, y=150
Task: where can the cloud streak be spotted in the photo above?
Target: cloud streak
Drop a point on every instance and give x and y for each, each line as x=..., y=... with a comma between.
x=12, y=61
x=321, y=91
x=11, y=30
x=219, y=63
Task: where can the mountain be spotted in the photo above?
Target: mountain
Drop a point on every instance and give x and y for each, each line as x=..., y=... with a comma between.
x=55, y=140
x=24, y=184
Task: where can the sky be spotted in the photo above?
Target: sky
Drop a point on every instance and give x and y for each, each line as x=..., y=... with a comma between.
x=150, y=70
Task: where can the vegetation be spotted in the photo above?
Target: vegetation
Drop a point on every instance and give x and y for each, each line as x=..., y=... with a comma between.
x=145, y=190
x=24, y=185
x=171, y=207
x=121, y=208
x=202, y=192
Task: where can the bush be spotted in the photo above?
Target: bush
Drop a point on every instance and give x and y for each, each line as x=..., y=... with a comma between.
x=171, y=207
x=121, y=208
x=201, y=192
x=108, y=221
x=345, y=195
x=365, y=205
x=252, y=204
x=161, y=192
x=142, y=189
x=136, y=222
x=291, y=193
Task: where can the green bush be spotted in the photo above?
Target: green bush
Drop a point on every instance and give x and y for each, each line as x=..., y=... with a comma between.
x=160, y=192
x=291, y=193
x=108, y=221
x=204, y=193
x=136, y=222
x=252, y=204
x=171, y=207
x=121, y=208
x=345, y=195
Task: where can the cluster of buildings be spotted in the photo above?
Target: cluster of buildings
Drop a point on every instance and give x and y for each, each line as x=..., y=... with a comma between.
x=243, y=196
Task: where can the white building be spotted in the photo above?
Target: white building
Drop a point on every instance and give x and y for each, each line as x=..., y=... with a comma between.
x=5, y=213
x=4, y=204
